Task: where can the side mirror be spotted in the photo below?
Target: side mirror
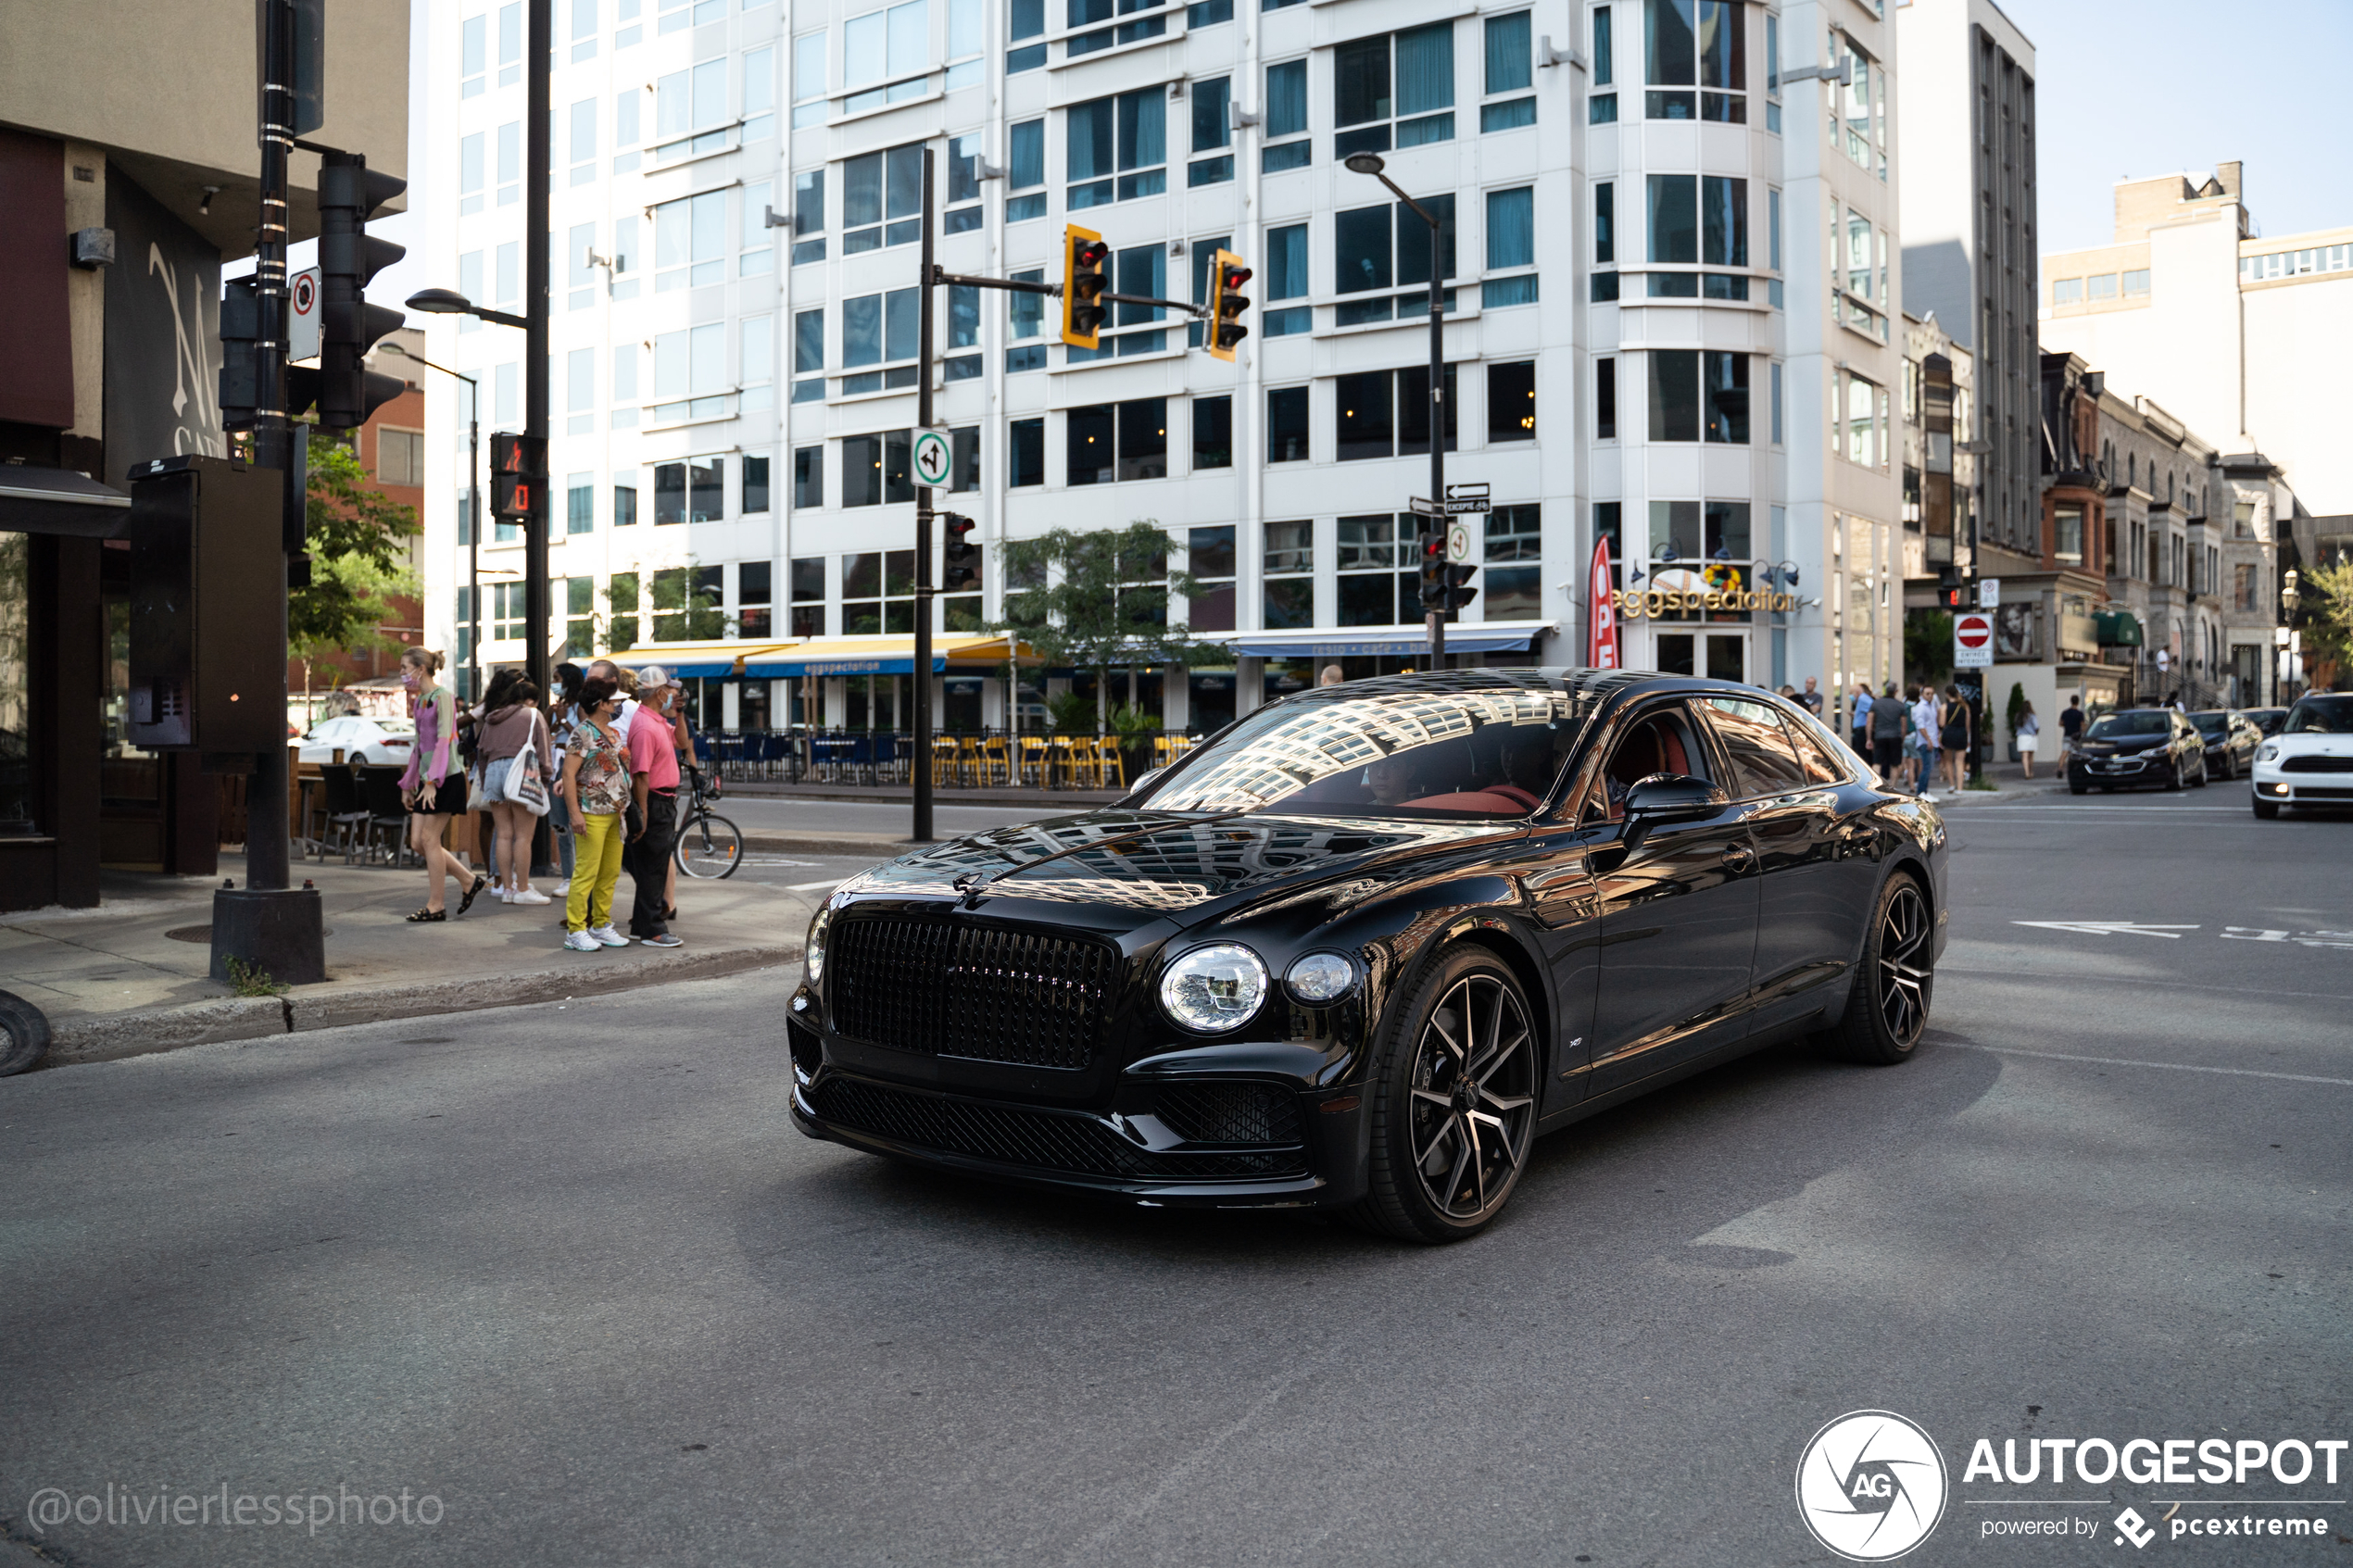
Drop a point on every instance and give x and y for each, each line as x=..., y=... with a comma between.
x=1667, y=797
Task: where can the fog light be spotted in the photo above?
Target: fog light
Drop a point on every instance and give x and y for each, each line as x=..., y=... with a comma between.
x=2278, y=788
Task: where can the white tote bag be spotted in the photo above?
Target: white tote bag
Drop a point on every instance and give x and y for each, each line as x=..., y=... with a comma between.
x=526, y=785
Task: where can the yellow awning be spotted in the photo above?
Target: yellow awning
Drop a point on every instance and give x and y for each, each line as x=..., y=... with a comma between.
x=882, y=656
x=713, y=658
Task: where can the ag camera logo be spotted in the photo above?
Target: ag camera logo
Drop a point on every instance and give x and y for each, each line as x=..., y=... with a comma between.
x=1871, y=1486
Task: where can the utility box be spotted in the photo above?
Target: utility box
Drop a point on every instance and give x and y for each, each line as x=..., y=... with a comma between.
x=207, y=606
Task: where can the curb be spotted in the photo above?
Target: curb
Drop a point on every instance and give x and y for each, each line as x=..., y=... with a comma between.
x=808, y=844
x=112, y=1037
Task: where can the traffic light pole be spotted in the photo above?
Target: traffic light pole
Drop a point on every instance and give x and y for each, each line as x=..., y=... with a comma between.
x=921, y=828
x=539, y=43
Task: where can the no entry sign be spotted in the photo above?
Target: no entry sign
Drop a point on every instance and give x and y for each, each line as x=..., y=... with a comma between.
x=1973, y=642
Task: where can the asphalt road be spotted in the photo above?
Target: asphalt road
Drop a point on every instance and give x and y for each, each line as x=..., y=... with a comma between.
x=771, y=814
x=568, y=1272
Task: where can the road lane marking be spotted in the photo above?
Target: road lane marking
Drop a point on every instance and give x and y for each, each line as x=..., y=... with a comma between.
x=2063, y=978
x=2110, y=928
x=2167, y=1066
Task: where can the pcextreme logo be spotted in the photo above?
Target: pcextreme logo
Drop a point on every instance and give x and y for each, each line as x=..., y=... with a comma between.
x=1871, y=1486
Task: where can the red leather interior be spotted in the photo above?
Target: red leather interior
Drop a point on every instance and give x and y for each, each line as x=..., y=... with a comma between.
x=1498, y=800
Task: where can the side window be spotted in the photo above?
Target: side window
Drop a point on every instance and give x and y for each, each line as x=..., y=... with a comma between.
x=1821, y=764
x=1764, y=763
x=1660, y=741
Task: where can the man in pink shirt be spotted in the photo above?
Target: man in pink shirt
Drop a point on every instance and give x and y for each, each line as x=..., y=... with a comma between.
x=653, y=770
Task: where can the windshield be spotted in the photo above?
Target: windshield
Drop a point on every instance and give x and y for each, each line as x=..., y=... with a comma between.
x=2329, y=715
x=1478, y=747
x=2120, y=726
x=2212, y=722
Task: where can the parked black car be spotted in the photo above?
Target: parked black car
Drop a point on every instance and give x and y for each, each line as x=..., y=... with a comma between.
x=1360, y=948
x=2267, y=720
x=2229, y=740
x=2138, y=745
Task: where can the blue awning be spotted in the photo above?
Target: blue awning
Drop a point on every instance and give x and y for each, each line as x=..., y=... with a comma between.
x=882, y=666
x=1343, y=642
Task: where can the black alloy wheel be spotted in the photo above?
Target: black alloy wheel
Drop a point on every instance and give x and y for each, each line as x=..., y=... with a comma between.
x=1453, y=1102
x=2172, y=772
x=1888, y=1007
x=2200, y=782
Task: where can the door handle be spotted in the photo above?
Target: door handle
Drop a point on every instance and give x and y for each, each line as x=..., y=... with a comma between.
x=1739, y=857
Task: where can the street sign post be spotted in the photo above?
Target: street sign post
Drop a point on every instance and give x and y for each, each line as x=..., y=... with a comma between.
x=1973, y=641
x=934, y=457
x=1989, y=593
x=1459, y=542
x=302, y=315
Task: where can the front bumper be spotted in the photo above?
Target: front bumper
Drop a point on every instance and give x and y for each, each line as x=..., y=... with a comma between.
x=2302, y=788
x=2142, y=767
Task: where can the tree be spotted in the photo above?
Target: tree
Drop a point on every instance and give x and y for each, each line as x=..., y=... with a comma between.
x=1928, y=646
x=2324, y=615
x=357, y=558
x=1097, y=600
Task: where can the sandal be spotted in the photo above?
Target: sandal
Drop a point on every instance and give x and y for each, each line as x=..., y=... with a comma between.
x=423, y=915
x=467, y=902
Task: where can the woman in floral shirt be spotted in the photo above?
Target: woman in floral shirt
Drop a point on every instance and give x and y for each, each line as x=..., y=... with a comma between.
x=596, y=791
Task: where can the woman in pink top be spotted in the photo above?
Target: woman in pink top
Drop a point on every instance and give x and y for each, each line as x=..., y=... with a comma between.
x=434, y=785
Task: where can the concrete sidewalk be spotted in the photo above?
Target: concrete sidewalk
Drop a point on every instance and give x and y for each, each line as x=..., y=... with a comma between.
x=130, y=976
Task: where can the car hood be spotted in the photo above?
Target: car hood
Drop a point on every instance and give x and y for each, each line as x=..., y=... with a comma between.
x=1153, y=866
x=2312, y=744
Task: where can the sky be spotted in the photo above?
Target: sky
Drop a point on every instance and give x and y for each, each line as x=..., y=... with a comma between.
x=2131, y=90
x=2128, y=89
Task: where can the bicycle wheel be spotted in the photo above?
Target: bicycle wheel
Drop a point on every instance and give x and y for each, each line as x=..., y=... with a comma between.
x=709, y=846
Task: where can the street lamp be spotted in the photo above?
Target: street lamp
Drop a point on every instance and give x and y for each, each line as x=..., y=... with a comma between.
x=473, y=506
x=1370, y=163
x=449, y=302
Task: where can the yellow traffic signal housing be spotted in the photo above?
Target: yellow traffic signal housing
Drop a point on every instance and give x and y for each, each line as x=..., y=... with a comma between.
x=1226, y=302
x=1084, y=253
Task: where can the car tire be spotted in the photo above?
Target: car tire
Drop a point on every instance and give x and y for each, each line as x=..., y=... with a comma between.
x=1887, y=1007
x=2267, y=809
x=2173, y=775
x=2203, y=778
x=24, y=1034
x=1453, y=1102
x=2077, y=786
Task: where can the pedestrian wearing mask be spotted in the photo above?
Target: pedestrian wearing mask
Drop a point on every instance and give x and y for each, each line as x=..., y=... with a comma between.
x=507, y=735
x=596, y=789
x=560, y=720
x=433, y=786
x=653, y=766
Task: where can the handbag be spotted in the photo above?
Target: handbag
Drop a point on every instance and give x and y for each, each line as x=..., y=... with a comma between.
x=526, y=785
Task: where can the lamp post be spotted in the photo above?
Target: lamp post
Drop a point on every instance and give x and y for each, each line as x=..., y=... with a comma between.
x=474, y=512
x=1370, y=163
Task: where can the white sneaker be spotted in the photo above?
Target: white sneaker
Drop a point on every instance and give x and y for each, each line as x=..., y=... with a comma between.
x=582, y=942
x=504, y=897
x=562, y=888
x=610, y=937
x=529, y=896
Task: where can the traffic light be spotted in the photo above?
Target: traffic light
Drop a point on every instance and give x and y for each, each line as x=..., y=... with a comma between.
x=349, y=193
x=959, y=554
x=1084, y=253
x=1227, y=303
x=1433, y=571
x=240, y=354
x=1457, y=595
x=1954, y=595
x=518, y=472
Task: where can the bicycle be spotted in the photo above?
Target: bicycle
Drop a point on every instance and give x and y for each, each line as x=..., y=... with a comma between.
x=708, y=845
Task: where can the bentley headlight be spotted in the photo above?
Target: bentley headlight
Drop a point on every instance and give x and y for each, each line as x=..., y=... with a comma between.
x=1214, y=989
x=2267, y=752
x=813, y=954
x=1320, y=979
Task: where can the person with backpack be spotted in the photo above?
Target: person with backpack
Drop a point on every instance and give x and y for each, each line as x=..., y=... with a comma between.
x=510, y=737
x=1888, y=718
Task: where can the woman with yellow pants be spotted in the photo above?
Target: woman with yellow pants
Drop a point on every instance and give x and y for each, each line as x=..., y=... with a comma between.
x=596, y=790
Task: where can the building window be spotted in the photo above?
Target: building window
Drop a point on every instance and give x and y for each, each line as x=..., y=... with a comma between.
x=808, y=216
x=1025, y=321
x=580, y=617
x=755, y=496
x=809, y=355
x=1117, y=148
x=1859, y=123
x=510, y=163
x=622, y=596
x=1674, y=219
x=1080, y=12
x=1025, y=453
x=1777, y=402
x=1513, y=586
x=688, y=601
x=1773, y=246
x=690, y=111
x=1387, y=247
x=2067, y=536
x=809, y=477
x=1696, y=530
x=1510, y=63
x=1511, y=243
x=808, y=80
x=1605, y=398
x=1386, y=413
x=2136, y=283
x=751, y=596
x=1025, y=18
x=878, y=593
x=690, y=242
x=1286, y=279
x=624, y=503
x=873, y=470
x=882, y=199
x=1212, y=434
x=807, y=596
x=1377, y=107
x=1212, y=132
x=1773, y=73
x=964, y=213
x=1209, y=559
x=1026, y=170
x=690, y=367
x=505, y=612
x=1106, y=442
x=756, y=363
x=580, y=504
x=1203, y=251
x=694, y=491
x=583, y=142
x=759, y=257
x=624, y=131
x=1862, y=410
x=1373, y=592
x=1288, y=570
x=888, y=49
x=1511, y=402
x=400, y=456
x=1691, y=44
x=1698, y=395
x=1606, y=224
x=1602, y=107
x=1287, y=424
x=471, y=52
x=1286, y=116
x=880, y=329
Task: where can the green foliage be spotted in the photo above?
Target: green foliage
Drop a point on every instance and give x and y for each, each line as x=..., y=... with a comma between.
x=357, y=557
x=2324, y=615
x=1097, y=600
x=2017, y=709
x=1928, y=646
x=1071, y=714
x=1133, y=724
x=250, y=980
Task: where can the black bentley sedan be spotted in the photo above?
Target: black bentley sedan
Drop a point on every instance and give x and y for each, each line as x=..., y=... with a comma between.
x=1360, y=948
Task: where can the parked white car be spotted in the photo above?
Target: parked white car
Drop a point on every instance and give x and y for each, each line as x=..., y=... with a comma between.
x=360, y=739
x=2309, y=762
